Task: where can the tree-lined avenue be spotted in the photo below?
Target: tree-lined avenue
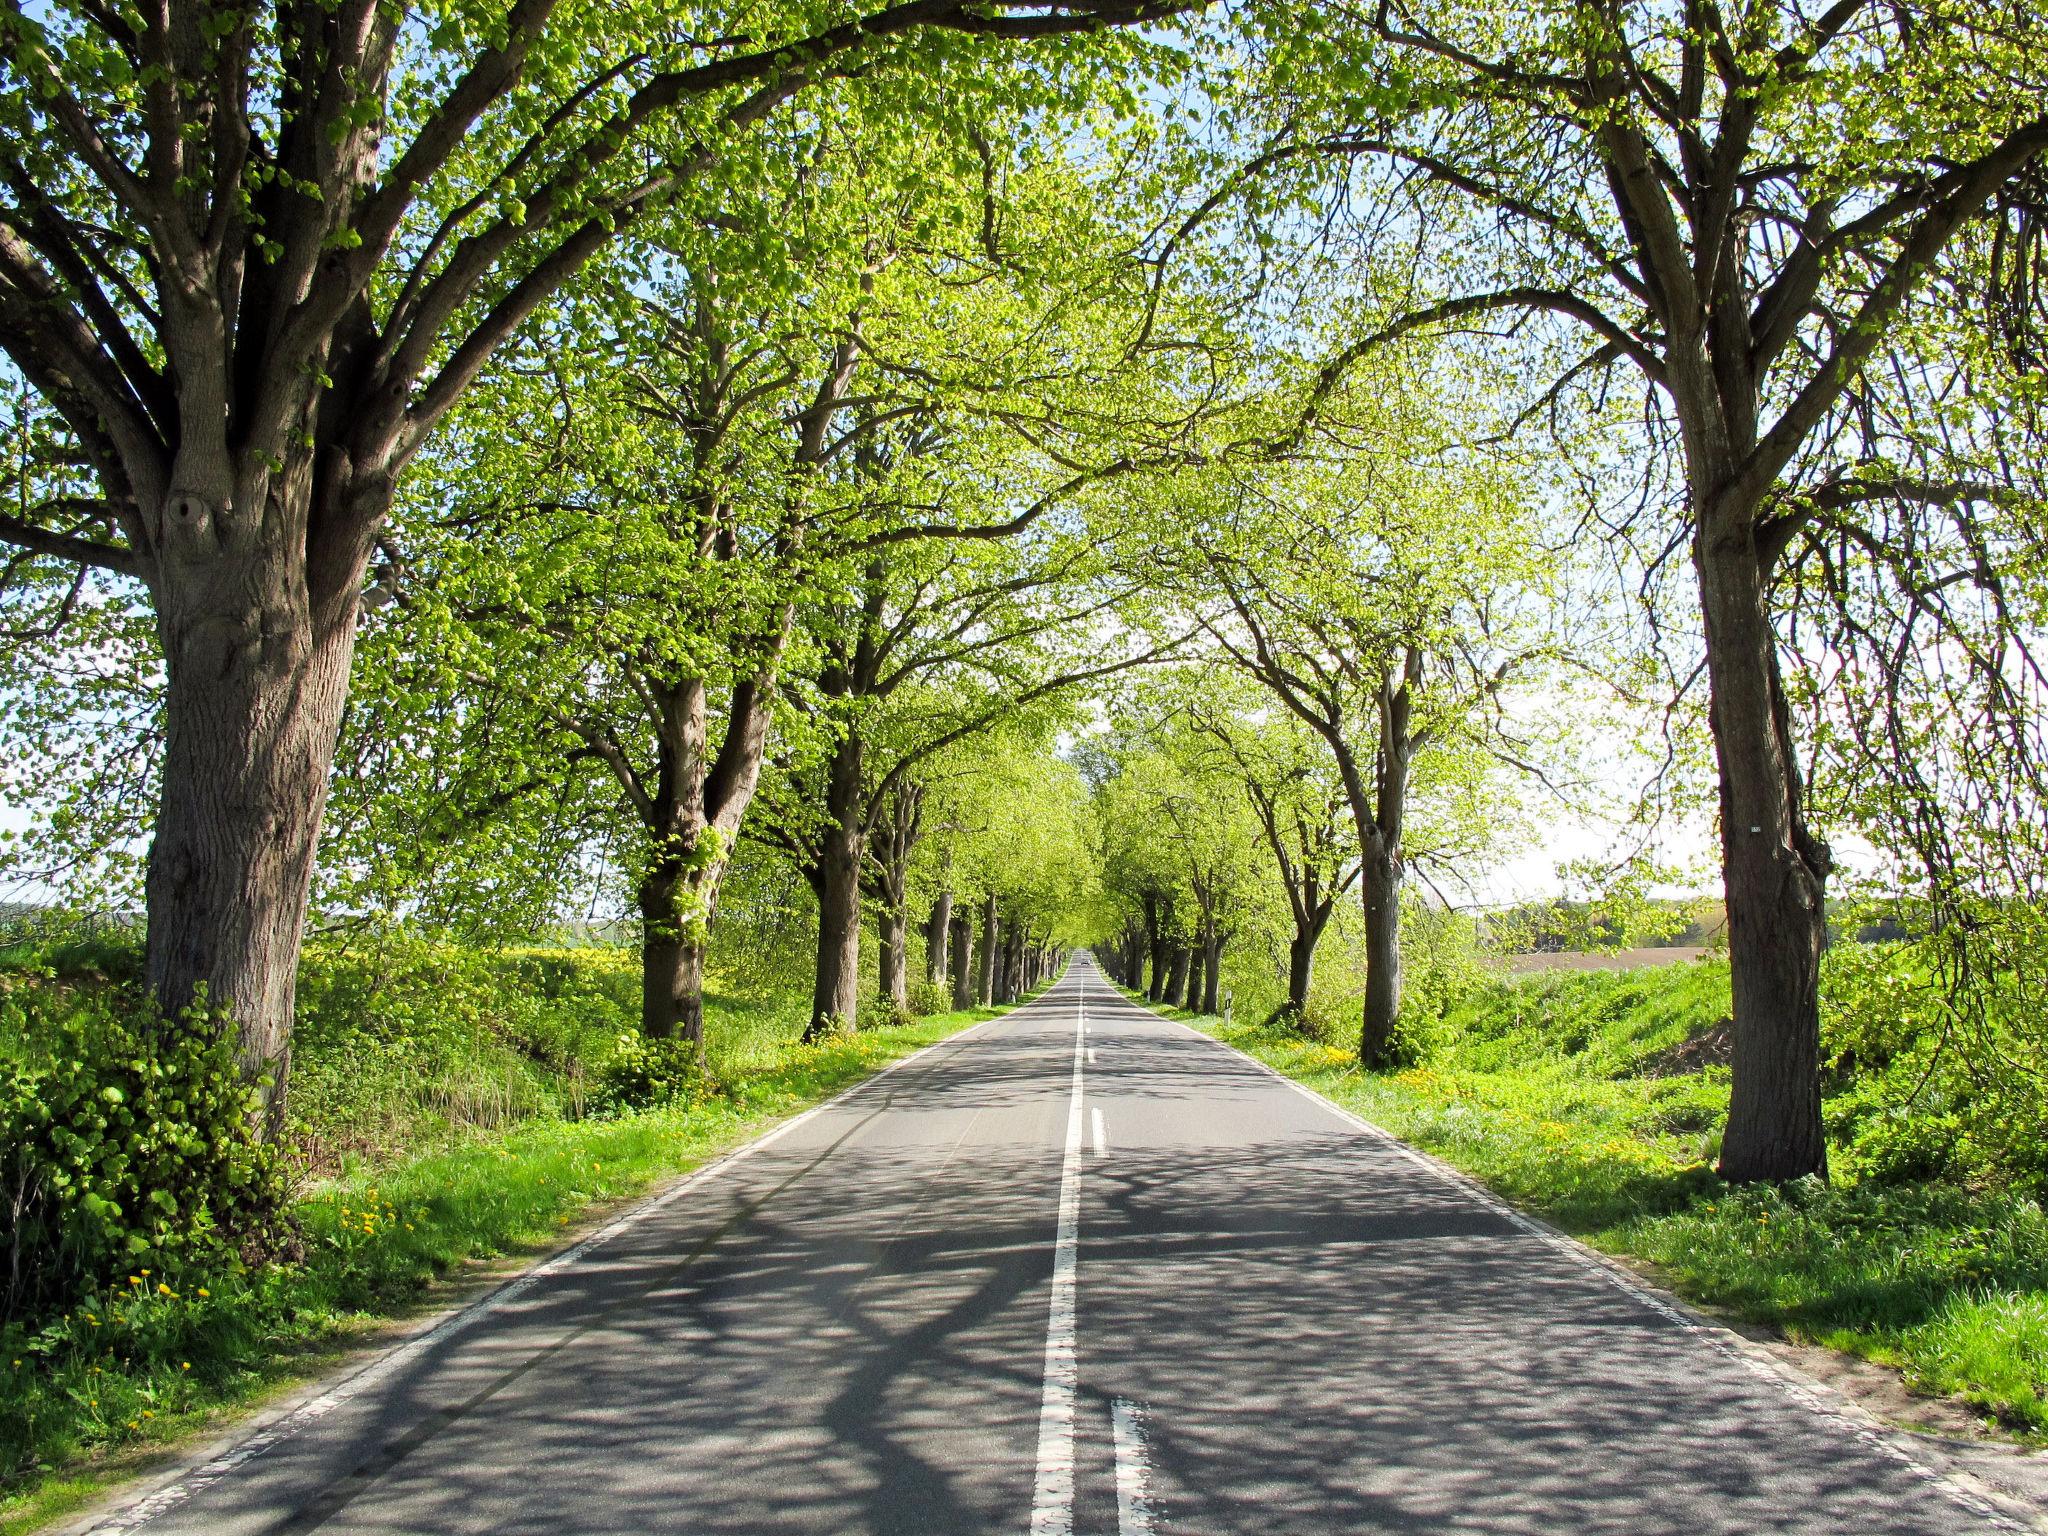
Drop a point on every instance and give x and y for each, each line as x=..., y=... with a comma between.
x=1282, y=1323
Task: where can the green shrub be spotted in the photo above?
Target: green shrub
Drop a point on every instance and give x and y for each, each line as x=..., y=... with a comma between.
x=126, y=1141
x=642, y=1073
x=1921, y=1083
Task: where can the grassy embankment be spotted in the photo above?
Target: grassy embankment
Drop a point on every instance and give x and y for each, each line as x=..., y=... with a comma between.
x=1583, y=1098
x=439, y=1108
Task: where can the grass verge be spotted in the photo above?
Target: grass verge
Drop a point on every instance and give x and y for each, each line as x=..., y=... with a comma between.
x=1948, y=1284
x=94, y=1397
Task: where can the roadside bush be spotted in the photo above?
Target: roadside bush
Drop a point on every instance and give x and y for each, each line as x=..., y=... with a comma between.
x=1921, y=1084
x=642, y=1073
x=126, y=1141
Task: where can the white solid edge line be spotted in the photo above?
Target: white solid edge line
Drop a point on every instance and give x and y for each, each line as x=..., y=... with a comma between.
x=1850, y=1417
x=1052, y=1497
x=1133, y=1471
x=290, y=1421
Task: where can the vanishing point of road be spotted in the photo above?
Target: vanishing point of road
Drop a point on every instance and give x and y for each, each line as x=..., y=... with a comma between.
x=1075, y=1270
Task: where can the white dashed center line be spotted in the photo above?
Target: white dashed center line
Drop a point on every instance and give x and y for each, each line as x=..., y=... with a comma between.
x=1133, y=1508
x=1052, y=1501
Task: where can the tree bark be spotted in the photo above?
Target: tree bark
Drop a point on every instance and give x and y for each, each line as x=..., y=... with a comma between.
x=963, y=961
x=991, y=937
x=1198, y=973
x=1013, y=962
x=1157, y=951
x=1301, y=964
x=1380, y=887
x=835, y=993
x=671, y=960
x=936, y=931
x=1177, y=976
x=890, y=843
x=1213, y=976
x=1775, y=875
x=257, y=674
x=895, y=959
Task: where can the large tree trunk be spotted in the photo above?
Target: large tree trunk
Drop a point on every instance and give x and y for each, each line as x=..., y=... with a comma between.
x=936, y=930
x=991, y=937
x=1177, y=976
x=963, y=961
x=671, y=961
x=1775, y=875
x=1301, y=969
x=889, y=853
x=1198, y=974
x=835, y=993
x=1380, y=887
x=1212, y=976
x=1156, y=952
x=1013, y=962
x=257, y=673
x=895, y=959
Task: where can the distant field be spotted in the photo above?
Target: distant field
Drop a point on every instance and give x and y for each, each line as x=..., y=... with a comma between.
x=1617, y=960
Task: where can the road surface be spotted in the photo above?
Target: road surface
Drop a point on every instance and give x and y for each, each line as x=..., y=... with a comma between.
x=1078, y=1270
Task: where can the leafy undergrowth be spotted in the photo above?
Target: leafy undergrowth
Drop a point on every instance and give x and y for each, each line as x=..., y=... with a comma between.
x=1559, y=1095
x=86, y=1396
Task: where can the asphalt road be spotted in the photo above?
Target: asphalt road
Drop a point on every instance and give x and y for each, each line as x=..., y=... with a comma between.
x=1056, y=1277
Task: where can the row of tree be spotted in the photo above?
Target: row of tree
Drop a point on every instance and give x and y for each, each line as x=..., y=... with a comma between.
x=575, y=440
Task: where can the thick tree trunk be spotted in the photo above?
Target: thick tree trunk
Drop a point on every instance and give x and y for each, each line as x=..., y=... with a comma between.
x=963, y=961
x=1380, y=887
x=1013, y=963
x=1775, y=877
x=1301, y=969
x=936, y=931
x=671, y=962
x=991, y=938
x=1198, y=974
x=257, y=673
x=895, y=959
x=1156, y=952
x=1177, y=976
x=889, y=850
x=1212, y=976
x=835, y=993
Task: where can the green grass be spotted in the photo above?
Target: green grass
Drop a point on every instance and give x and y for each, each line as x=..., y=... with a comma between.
x=86, y=1397
x=1545, y=1094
